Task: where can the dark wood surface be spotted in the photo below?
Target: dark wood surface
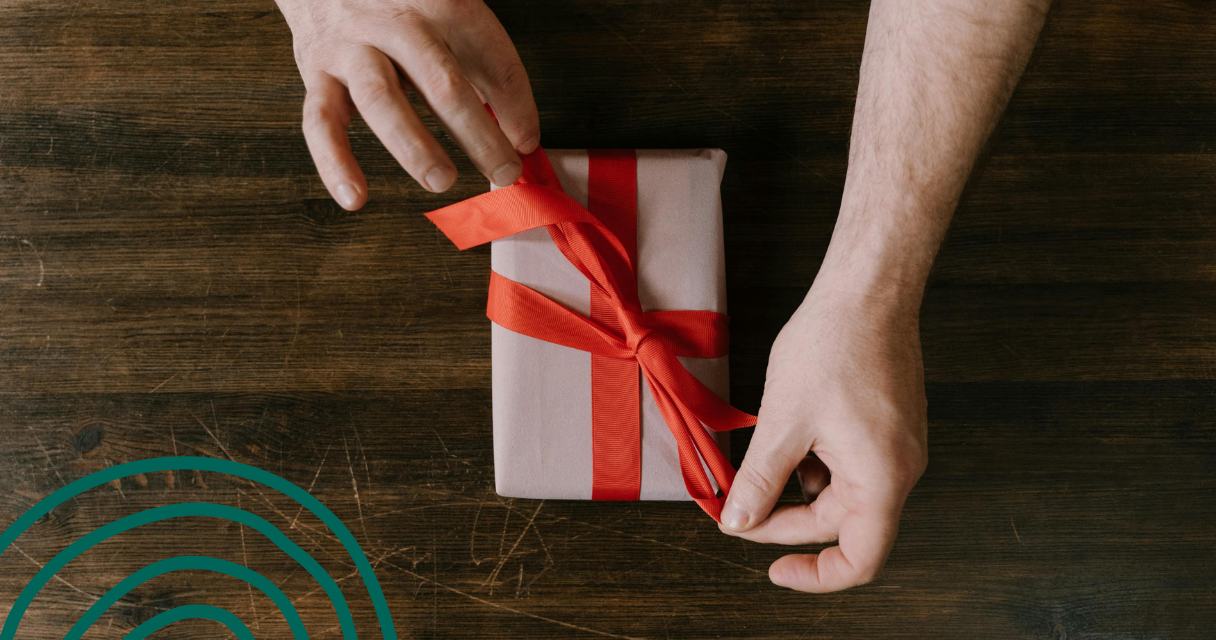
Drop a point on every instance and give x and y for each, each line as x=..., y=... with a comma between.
x=174, y=279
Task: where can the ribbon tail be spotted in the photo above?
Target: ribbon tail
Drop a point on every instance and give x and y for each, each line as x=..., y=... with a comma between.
x=697, y=450
x=507, y=211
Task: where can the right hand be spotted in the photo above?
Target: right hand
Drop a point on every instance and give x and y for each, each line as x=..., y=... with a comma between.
x=364, y=54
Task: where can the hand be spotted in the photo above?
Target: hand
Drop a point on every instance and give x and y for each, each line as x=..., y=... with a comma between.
x=845, y=385
x=365, y=55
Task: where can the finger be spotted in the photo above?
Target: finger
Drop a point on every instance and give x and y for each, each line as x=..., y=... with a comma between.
x=433, y=70
x=327, y=112
x=377, y=93
x=813, y=476
x=771, y=457
x=492, y=64
x=865, y=541
x=814, y=523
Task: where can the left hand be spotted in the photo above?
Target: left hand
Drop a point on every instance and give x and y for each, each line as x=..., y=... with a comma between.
x=364, y=55
x=844, y=404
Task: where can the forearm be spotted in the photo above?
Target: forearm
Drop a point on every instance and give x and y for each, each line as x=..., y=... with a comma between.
x=935, y=76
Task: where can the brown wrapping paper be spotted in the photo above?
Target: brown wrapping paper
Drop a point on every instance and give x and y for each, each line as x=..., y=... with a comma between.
x=542, y=391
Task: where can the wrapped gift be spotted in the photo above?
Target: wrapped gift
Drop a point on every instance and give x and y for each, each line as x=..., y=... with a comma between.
x=608, y=296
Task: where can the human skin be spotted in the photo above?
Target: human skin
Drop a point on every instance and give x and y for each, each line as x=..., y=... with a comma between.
x=844, y=400
x=363, y=55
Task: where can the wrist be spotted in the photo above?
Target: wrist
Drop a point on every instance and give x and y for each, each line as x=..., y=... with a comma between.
x=869, y=276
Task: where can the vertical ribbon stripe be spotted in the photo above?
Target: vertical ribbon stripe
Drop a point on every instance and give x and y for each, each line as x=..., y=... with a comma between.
x=616, y=410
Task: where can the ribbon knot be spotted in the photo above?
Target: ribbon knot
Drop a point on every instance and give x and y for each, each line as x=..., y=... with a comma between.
x=600, y=246
x=633, y=324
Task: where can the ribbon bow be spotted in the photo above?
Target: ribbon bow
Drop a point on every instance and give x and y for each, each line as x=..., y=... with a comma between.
x=621, y=337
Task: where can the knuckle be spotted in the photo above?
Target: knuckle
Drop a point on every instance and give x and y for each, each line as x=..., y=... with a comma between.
x=408, y=14
x=530, y=131
x=444, y=84
x=318, y=112
x=311, y=39
x=512, y=76
x=753, y=481
x=444, y=88
x=372, y=91
x=460, y=11
x=819, y=521
x=413, y=151
x=303, y=45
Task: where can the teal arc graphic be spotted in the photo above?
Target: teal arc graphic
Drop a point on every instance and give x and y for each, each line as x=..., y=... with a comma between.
x=185, y=612
x=184, y=563
x=341, y=532
x=184, y=509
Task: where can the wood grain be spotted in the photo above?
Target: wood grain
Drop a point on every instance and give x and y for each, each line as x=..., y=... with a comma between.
x=174, y=279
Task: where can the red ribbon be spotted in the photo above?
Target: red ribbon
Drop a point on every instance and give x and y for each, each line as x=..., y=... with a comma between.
x=601, y=242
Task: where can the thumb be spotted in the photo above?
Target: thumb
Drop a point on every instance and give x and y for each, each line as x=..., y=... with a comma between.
x=771, y=457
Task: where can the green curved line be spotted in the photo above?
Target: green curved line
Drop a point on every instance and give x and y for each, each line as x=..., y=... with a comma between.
x=177, y=511
x=151, y=465
x=204, y=611
x=184, y=563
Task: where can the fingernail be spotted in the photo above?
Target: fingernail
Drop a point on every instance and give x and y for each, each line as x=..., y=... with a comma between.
x=439, y=179
x=733, y=517
x=529, y=145
x=507, y=174
x=346, y=195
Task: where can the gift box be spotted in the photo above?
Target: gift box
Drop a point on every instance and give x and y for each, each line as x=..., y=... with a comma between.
x=608, y=298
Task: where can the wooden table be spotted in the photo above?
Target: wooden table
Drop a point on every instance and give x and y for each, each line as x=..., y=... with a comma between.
x=175, y=280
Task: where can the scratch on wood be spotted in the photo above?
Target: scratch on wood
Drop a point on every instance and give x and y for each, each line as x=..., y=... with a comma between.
x=502, y=541
x=504, y=607
x=312, y=484
x=213, y=436
x=821, y=618
x=375, y=563
x=245, y=560
x=548, y=556
x=672, y=546
x=215, y=422
x=447, y=455
x=46, y=454
x=166, y=381
x=473, y=538
x=311, y=539
x=117, y=482
x=503, y=561
x=69, y=584
x=366, y=470
x=354, y=485
x=41, y=266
